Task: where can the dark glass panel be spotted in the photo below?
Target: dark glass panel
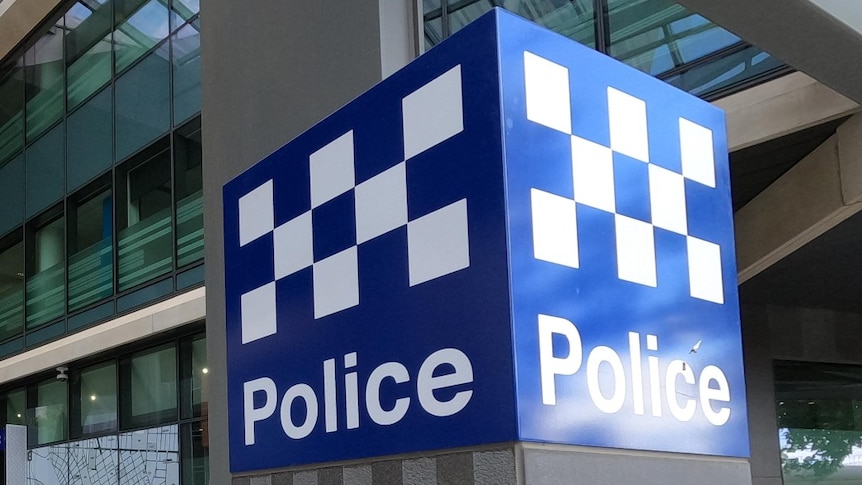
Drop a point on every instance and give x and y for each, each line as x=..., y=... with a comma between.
x=195, y=453
x=657, y=35
x=572, y=18
x=195, y=373
x=47, y=421
x=140, y=25
x=90, y=246
x=88, y=48
x=189, y=193
x=144, y=215
x=11, y=175
x=186, y=57
x=143, y=106
x=16, y=407
x=148, y=388
x=97, y=400
x=89, y=140
x=737, y=68
x=11, y=286
x=45, y=171
x=184, y=10
x=11, y=109
x=46, y=270
x=44, y=81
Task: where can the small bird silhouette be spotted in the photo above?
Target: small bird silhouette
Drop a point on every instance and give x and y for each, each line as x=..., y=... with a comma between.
x=695, y=347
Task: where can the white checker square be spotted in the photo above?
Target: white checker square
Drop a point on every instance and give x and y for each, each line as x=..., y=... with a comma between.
x=593, y=173
x=704, y=270
x=555, y=228
x=696, y=150
x=635, y=251
x=667, y=200
x=336, y=283
x=256, y=213
x=293, y=247
x=331, y=170
x=548, y=101
x=381, y=203
x=438, y=243
x=628, y=125
x=433, y=113
x=257, y=313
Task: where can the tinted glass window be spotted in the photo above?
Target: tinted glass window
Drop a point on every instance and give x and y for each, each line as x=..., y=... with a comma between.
x=46, y=275
x=12, y=287
x=820, y=422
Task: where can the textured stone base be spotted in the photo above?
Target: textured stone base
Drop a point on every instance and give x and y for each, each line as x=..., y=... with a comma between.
x=523, y=464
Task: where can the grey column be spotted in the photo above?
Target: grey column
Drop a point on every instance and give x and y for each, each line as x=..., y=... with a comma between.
x=16, y=454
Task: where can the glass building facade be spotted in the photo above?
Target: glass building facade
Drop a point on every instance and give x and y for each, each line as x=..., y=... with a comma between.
x=137, y=416
x=658, y=37
x=100, y=167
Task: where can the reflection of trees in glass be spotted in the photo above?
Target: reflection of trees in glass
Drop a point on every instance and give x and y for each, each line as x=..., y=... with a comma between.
x=822, y=451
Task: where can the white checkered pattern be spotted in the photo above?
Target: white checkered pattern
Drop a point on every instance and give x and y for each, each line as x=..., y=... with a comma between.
x=555, y=228
x=437, y=242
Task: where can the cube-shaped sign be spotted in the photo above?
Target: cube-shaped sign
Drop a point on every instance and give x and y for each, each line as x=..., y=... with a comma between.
x=512, y=238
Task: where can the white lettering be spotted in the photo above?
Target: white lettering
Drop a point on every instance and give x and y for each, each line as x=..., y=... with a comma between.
x=551, y=366
x=674, y=369
x=351, y=391
x=427, y=382
x=330, y=414
x=306, y=393
x=599, y=355
x=722, y=393
x=398, y=373
x=252, y=414
x=608, y=377
x=637, y=372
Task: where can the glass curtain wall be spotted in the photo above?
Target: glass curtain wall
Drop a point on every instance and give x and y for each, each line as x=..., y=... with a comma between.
x=11, y=286
x=117, y=421
x=144, y=222
x=46, y=269
x=658, y=37
x=188, y=177
x=44, y=79
x=91, y=276
x=100, y=164
x=11, y=109
x=88, y=49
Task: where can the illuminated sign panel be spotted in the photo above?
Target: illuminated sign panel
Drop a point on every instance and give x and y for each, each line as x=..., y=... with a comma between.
x=512, y=238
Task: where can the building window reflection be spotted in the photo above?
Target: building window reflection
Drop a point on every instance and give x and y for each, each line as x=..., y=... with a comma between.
x=820, y=422
x=91, y=253
x=11, y=285
x=46, y=269
x=659, y=37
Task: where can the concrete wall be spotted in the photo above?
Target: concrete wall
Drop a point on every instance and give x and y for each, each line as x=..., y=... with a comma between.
x=776, y=333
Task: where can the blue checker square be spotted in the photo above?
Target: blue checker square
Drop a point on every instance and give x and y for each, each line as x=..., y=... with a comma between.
x=631, y=187
x=333, y=226
x=488, y=246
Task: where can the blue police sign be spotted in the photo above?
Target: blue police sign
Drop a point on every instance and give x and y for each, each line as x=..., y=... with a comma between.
x=512, y=238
